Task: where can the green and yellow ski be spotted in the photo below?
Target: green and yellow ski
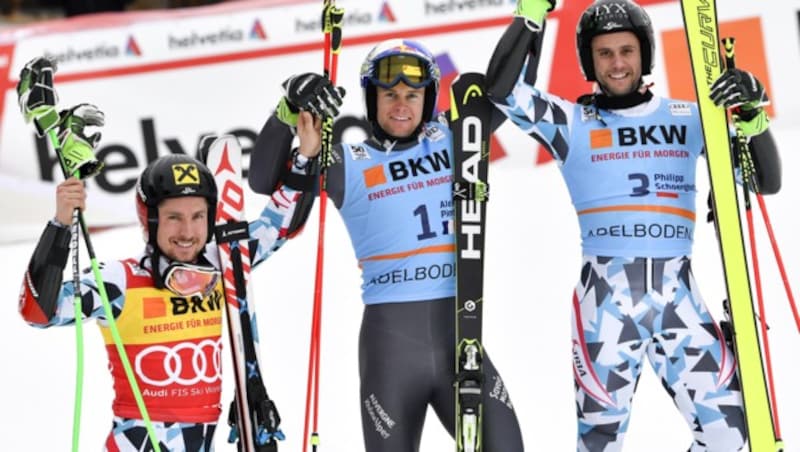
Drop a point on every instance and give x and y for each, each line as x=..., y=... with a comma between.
x=702, y=34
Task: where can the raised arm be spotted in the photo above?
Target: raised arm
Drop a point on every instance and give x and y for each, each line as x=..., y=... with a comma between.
x=306, y=98
x=45, y=300
x=520, y=43
x=41, y=286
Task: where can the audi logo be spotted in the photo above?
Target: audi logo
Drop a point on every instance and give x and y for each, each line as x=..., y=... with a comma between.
x=172, y=363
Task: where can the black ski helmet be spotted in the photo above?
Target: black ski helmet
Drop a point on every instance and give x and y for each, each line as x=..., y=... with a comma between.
x=610, y=16
x=394, y=48
x=173, y=176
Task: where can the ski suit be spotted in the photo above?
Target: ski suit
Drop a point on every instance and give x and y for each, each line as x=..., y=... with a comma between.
x=630, y=173
x=173, y=343
x=395, y=200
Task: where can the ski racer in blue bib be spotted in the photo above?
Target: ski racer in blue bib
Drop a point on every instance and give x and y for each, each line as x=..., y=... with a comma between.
x=628, y=158
x=393, y=191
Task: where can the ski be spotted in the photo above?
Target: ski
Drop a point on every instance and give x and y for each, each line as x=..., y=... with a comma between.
x=470, y=114
x=253, y=418
x=702, y=34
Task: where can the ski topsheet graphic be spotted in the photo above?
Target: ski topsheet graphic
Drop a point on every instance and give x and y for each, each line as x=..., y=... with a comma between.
x=470, y=114
x=702, y=33
x=253, y=417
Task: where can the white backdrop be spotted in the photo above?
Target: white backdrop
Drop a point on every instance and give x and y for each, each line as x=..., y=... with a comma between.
x=532, y=253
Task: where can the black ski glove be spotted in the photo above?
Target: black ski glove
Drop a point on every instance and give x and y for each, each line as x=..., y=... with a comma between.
x=741, y=91
x=309, y=92
x=738, y=88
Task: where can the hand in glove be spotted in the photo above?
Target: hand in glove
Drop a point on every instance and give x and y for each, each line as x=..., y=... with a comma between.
x=77, y=147
x=741, y=91
x=308, y=92
x=36, y=96
x=534, y=10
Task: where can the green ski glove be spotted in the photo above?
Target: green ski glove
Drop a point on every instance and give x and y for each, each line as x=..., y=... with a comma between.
x=77, y=148
x=741, y=92
x=534, y=10
x=287, y=113
x=36, y=96
x=756, y=125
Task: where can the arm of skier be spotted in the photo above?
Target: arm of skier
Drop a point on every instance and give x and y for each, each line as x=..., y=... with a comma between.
x=44, y=299
x=516, y=56
x=272, y=156
x=511, y=76
x=288, y=208
x=742, y=93
x=273, y=162
x=294, y=191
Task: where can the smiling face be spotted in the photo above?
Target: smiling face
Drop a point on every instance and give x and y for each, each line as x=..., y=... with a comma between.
x=182, y=227
x=399, y=109
x=617, y=61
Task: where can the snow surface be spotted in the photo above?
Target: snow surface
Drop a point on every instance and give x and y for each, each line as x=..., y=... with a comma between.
x=532, y=265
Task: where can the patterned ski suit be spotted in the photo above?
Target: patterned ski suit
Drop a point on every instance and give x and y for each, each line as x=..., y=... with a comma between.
x=631, y=176
x=173, y=343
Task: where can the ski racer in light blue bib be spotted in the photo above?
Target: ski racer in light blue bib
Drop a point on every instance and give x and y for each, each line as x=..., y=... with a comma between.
x=398, y=212
x=393, y=192
x=629, y=160
x=644, y=205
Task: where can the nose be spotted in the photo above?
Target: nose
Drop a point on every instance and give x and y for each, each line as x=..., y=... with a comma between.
x=185, y=228
x=400, y=102
x=617, y=60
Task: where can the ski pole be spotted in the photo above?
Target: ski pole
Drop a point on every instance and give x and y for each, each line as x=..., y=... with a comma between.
x=768, y=224
x=40, y=77
x=78, y=308
x=101, y=288
x=332, y=28
x=749, y=182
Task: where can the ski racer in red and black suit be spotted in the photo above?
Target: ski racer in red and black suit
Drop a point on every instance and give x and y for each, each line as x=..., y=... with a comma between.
x=167, y=303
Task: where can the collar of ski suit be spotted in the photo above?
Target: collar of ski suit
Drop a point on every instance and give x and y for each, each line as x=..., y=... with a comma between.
x=382, y=140
x=605, y=102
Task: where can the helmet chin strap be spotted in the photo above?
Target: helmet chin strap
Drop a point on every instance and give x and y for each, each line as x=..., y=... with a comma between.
x=155, y=266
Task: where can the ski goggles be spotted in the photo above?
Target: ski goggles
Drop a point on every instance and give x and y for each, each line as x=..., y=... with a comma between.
x=391, y=70
x=188, y=280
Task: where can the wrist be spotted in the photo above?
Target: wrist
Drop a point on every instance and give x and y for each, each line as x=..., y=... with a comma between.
x=55, y=221
x=299, y=160
x=752, y=124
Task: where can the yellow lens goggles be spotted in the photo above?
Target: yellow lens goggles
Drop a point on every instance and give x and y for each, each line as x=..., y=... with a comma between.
x=391, y=70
